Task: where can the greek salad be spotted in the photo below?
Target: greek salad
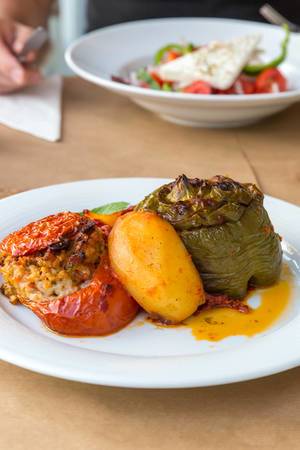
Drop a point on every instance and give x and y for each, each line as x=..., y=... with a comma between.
x=232, y=67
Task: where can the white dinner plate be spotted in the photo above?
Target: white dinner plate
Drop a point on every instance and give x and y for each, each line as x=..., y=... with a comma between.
x=118, y=49
x=144, y=356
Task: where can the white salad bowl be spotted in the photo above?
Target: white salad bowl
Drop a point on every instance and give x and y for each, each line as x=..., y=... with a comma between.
x=119, y=49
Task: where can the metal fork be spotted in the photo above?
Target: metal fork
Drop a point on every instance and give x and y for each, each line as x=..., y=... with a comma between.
x=273, y=16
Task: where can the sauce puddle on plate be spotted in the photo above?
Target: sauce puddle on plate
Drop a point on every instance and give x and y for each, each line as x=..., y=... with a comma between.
x=217, y=324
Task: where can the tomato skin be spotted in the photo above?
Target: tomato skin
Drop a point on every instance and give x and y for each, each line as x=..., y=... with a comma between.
x=269, y=78
x=229, y=91
x=198, y=87
x=243, y=85
x=157, y=78
x=172, y=54
x=102, y=307
x=37, y=236
x=143, y=84
x=247, y=86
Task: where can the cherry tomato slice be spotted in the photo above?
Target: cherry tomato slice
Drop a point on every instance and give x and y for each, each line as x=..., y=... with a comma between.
x=243, y=85
x=229, y=91
x=143, y=84
x=248, y=86
x=198, y=87
x=270, y=80
x=171, y=55
x=157, y=78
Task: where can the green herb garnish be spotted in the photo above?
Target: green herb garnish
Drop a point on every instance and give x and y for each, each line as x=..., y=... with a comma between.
x=166, y=87
x=110, y=208
x=184, y=49
x=145, y=76
x=258, y=68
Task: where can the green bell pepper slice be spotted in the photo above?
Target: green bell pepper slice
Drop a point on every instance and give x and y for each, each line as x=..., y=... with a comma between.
x=145, y=76
x=166, y=87
x=184, y=49
x=258, y=68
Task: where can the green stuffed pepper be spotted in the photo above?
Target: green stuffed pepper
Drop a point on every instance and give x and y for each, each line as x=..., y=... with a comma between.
x=225, y=228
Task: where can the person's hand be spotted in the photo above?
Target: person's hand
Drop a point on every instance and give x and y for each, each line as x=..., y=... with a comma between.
x=13, y=74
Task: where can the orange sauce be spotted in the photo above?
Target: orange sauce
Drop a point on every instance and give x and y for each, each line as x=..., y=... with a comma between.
x=219, y=323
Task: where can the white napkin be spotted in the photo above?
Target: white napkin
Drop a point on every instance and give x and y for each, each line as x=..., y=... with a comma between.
x=35, y=110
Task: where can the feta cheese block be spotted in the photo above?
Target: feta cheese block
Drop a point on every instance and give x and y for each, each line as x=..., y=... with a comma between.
x=218, y=63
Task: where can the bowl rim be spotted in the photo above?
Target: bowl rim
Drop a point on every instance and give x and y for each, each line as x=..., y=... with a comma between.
x=137, y=91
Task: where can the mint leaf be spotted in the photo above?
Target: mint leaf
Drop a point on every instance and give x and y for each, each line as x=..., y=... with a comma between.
x=110, y=208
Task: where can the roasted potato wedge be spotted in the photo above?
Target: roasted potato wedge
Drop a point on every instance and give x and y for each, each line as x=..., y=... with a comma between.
x=153, y=265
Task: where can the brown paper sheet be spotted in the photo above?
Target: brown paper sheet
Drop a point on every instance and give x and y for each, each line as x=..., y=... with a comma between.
x=107, y=136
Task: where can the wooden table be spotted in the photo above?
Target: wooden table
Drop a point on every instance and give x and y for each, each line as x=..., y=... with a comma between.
x=106, y=136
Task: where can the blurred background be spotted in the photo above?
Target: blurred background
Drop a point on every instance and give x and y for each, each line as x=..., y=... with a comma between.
x=64, y=28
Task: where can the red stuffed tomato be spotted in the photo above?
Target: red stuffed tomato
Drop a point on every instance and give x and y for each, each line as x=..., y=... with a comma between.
x=58, y=267
x=102, y=307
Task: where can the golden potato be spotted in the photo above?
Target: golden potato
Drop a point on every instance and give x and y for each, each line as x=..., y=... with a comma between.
x=152, y=263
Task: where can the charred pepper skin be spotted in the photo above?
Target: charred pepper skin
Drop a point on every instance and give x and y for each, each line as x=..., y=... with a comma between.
x=225, y=228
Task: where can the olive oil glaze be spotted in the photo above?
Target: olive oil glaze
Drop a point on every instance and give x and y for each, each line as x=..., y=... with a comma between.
x=219, y=323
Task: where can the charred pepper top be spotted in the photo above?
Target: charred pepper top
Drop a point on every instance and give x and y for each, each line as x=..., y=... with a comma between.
x=225, y=228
